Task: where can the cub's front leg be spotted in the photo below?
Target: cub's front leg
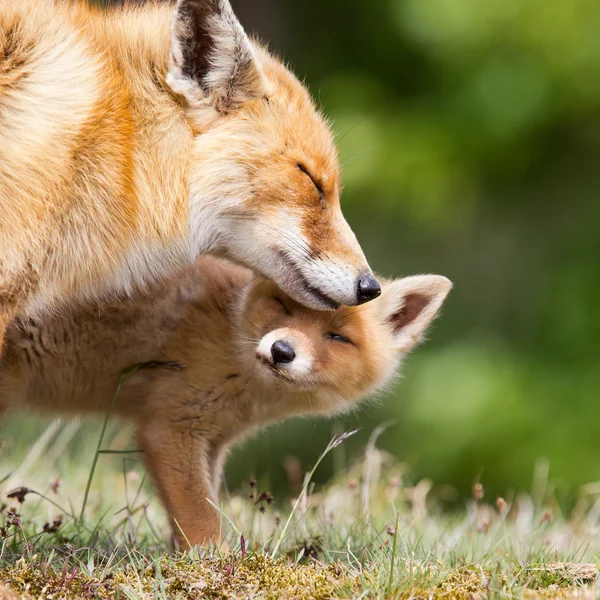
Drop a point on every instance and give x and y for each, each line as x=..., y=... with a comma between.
x=179, y=457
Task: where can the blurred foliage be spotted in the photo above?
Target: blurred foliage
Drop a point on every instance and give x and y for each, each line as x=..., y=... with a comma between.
x=470, y=138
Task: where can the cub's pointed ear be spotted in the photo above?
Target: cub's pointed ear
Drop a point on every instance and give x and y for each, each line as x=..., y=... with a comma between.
x=211, y=59
x=410, y=304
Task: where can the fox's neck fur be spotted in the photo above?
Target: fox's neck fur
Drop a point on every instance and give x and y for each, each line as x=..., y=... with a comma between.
x=134, y=47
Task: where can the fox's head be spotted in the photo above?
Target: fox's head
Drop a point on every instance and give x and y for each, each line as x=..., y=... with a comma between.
x=337, y=357
x=264, y=182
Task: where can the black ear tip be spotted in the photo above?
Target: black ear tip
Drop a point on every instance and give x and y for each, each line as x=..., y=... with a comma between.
x=215, y=54
x=198, y=12
x=204, y=5
x=196, y=42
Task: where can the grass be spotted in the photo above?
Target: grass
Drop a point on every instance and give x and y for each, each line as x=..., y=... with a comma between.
x=368, y=533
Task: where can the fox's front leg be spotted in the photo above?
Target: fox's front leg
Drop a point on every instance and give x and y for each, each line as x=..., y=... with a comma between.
x=178, y=457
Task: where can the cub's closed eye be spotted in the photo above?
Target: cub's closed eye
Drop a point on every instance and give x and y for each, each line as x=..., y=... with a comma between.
x=317, y=185
x=280, y=302
x=336, y=337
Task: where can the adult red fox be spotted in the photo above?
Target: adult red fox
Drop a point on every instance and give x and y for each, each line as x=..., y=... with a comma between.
x=252, y=355
x=135, y=139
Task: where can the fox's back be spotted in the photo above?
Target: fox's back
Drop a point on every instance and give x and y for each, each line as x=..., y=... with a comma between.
x=89, y=135
x=51, y=86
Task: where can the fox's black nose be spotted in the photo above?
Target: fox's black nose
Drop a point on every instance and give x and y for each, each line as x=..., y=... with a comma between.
x=368, y=288
x=282, y=352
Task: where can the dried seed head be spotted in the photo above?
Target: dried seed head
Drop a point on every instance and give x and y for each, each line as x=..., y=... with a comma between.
x=12, y=518
x=266, y=497
x=547, y=516
x=19, y=494
x=478, y=492
x=501, y=505
x=55, y=525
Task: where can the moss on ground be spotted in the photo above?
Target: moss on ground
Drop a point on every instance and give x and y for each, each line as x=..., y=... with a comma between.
x=186, y=578
x=255, y=576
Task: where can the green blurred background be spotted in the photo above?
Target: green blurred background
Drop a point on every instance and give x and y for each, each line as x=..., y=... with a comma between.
x=470, y=140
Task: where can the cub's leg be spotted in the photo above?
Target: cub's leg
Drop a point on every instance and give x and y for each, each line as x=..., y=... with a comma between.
x=178, y=457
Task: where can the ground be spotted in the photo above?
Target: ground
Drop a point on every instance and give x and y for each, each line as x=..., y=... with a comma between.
x=368, y=533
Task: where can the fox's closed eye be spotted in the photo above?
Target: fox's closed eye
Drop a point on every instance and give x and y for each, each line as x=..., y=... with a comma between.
x=282, y=304
x=336, y=337
x=317, y=185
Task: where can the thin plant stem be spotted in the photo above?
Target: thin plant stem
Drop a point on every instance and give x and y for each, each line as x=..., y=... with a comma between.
x=223, y=514
x=124, y=375
x=394, y=544
x=334, y=443
x=47, y=499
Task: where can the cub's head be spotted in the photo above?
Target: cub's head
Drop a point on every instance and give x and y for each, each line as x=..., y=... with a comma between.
x=341, y=356
x=264, y=183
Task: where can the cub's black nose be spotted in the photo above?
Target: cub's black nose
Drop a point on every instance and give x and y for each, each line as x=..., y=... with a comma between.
x=282, y=352
x=368, y=288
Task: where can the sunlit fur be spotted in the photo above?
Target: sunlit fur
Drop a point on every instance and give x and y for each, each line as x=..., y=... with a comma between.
x=115, y=168
x=212, y=320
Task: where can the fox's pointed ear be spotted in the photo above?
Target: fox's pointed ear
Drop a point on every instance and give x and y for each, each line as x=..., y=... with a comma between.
x=211, y=59
x=410, y=304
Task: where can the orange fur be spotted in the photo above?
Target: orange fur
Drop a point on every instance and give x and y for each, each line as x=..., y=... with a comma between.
x=221, y=322
x=124, y=150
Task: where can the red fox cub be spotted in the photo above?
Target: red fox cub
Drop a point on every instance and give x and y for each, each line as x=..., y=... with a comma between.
x=135, y=139
x=250, y=355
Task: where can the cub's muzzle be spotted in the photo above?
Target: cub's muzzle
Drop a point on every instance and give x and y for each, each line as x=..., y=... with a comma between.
x=282, y=352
